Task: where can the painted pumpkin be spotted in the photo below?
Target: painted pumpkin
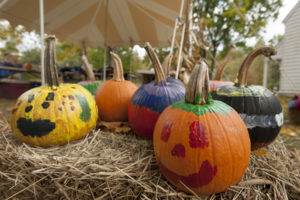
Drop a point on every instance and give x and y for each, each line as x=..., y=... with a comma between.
x=91, y=84
x=27, y=66
x=259, y=107
x=54, y=114
x=294, y=110
x=151, y=99
x=216, y=83
x=113, y=96
x=200, y=143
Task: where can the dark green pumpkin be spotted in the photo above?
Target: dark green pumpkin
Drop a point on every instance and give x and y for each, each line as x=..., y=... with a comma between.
x=259, y=107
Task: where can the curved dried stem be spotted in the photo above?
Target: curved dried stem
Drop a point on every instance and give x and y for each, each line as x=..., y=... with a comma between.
x=243, y=71
x=118, y=67
x=159, y=74
x=88, y=68
x=222, y=66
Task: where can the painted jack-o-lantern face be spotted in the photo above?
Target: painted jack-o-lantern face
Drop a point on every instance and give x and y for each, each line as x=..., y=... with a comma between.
x=201, y=143
x=54, y=114
x=43, y=116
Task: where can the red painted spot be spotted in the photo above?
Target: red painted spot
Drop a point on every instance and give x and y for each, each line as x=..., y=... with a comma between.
x=63, y=103
x=142, y=120
x=198, y=135
x=64, y=96
x=178, y=150
x=19, y=103
x=72, y=108
x=202, y=178
x=14, y=110
x=60, y=108
x=71, y=97
x=166, y=132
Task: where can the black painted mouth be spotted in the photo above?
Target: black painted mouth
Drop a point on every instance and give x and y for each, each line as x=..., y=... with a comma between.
x=37, y=128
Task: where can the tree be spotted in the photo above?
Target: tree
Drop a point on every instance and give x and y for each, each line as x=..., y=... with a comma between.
x=233, y=21
x=32, y=56
x=11, y=36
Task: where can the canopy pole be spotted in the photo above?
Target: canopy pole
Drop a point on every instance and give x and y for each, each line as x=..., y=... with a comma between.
x=180, y=51
x=42, y=41
x=105, y=38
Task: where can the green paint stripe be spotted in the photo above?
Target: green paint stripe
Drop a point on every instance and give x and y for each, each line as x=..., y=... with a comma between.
x=85, y=115
x=213, y=106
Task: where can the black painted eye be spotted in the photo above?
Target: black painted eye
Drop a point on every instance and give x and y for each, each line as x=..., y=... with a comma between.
x=45, y=105
x=28, y=109
x=50, y=96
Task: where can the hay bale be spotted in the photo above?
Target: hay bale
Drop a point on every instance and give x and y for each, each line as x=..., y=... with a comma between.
x=107, y=165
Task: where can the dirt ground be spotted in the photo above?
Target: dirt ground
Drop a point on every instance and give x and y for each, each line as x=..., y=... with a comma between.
x=290, y=132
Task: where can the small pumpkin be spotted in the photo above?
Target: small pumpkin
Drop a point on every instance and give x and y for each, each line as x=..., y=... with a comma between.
x=151, y=99
x=259, y=107
x=200, y=144
x=91, y=84
x=113, y=96
x=54, y=114
x=216, y=83
x=27, y=66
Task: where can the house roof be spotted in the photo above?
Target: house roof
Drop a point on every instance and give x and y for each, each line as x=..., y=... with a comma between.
x=291, y=12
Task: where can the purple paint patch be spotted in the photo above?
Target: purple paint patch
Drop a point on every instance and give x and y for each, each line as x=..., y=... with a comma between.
x=72, y=108
x=198, y=136
x=73, y=87
x=63, y=103
x=166, y=132
x=178, y=150
x=71, y=97
x=205, y=175
x=60, y=108
x=64, y=96
x=19, y=103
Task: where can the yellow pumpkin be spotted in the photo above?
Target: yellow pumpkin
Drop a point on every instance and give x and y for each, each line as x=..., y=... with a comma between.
x=54, y=114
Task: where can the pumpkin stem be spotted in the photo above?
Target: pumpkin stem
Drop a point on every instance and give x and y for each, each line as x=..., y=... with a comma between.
x=118, y=67
x=88, y=68
x=159, y=74
x=243, y=71
x=51, y=75
x=167, y=64
x=197, y=91
x=222, y=66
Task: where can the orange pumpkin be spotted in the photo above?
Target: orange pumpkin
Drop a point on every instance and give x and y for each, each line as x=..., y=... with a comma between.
x=27, y=66
x=113, y=96
x=200, y=143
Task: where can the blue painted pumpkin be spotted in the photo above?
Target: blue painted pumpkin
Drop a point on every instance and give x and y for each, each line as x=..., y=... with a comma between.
x=150, y=100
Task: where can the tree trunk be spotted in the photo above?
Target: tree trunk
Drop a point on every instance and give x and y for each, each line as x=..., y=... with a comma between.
x=214, y=54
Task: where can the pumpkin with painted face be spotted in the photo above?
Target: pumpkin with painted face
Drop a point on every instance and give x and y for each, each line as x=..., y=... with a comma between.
x=200, y=143
x=151, y=99
x=54, y=114
x=259, y=107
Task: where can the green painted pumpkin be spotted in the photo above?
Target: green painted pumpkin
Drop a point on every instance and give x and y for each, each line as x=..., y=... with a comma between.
x=54, y=114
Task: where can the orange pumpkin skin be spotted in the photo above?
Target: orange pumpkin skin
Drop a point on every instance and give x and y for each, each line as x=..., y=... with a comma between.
x=27, y=66
x=112, y=98
x=207, y=153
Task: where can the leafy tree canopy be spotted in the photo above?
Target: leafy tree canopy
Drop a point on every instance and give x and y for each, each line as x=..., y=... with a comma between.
x=233, y=21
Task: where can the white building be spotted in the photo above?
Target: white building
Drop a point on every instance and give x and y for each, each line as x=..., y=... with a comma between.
x=288, y=53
